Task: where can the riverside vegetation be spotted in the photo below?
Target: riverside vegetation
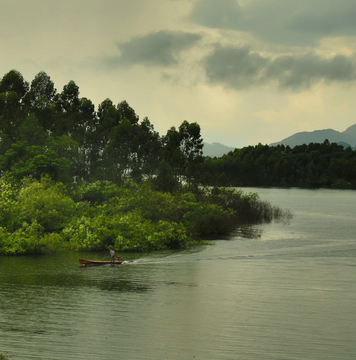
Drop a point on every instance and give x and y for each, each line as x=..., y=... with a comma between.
x=43, y=215
x=76, y=178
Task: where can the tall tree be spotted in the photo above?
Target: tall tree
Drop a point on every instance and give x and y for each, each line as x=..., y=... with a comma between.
x=13, y=81
x=118, y=157
x=191, y=146
x=172, y=152
x=13, y=89
x=67, y=106
x=41, y=99
x=124, y=110
x=148, y=148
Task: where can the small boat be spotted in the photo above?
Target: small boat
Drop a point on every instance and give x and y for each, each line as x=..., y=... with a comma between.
x=95, y=262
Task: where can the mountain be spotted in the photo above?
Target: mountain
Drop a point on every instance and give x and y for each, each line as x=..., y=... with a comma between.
x=216, y=149
x=318, y=136
x=351, y=131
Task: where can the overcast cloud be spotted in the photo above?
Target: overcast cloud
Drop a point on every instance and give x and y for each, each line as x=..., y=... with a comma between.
x=247, y=71
x=240, y=68
x=301, y=22
x=155, y=49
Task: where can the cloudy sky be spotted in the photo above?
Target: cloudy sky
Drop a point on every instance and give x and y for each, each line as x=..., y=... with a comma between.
x=247, y=71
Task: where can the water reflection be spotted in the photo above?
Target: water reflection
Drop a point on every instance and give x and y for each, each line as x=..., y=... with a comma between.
x=60, y=271
x=248, y=232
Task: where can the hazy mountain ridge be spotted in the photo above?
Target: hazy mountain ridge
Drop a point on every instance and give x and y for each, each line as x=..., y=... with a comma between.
x=347, y=137
x=216, y=149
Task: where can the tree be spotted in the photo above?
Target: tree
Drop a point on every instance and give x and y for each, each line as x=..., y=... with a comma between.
x=165, y=180
x=118, y=157
x=67, y=105
x=147, y=145
x=125, y=111
x=41, y=100
x=13, y=81
x=13, y=89
x=191, y=146
x=31, y=132
x=172, y=152
x=107, y=120
x=42, y=87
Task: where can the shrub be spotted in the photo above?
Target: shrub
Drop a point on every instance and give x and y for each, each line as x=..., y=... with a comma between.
x=28, y=239
x=43, y=202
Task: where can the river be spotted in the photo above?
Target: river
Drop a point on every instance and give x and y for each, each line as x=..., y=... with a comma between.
x=278, y=291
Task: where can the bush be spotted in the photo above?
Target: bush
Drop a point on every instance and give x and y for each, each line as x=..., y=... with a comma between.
x=124, y=232
x=42, y=202
x=28, y=239
x=208, y=219
x=39, y=216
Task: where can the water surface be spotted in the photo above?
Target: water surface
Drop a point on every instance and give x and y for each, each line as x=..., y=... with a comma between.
x=287, y=291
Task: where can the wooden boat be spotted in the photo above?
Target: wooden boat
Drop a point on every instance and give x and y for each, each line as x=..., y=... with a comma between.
x=95, y=262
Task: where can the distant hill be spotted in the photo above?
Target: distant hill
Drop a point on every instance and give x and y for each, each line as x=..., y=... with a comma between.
x=351, y=131
x=216, y=149
x=347, y=137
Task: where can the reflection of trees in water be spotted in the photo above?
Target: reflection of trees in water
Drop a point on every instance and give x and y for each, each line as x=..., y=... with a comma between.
x=45, y=275
x=248, y=232
x=70, y=282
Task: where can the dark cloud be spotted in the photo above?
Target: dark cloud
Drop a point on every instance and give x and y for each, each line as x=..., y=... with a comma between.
x=225, y=14
x=300, y=22
x=241, y=68
x=154, y=49
x=324, y=18
x=235, y=67
x=303, y=71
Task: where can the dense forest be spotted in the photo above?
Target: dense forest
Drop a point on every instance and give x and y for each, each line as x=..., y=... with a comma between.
x=314, y=165
x=72, y=177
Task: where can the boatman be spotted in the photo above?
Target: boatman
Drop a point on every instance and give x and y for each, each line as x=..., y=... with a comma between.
x=112, y=255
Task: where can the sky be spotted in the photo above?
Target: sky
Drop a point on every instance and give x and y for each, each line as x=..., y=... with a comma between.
x=247, y=71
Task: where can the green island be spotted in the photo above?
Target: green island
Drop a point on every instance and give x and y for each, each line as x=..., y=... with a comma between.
x=73, y=177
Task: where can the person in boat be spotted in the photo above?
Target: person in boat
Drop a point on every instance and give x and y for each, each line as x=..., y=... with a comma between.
x=112, y=255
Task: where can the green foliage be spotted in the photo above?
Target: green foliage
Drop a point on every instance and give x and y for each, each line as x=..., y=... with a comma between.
x=8, y=194
x=32, y=216
x=73, y=177
x=165, y=180
x=29, y=238
x=126, y=231
x=313, y=165
x=98, y=192
x=42, y=216
x=34, y=161
x=61, y=134
x=207, y=219
x=43, y=202
x=246, y=208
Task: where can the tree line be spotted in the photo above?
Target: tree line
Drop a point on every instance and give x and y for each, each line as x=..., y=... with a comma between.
x=314, y=165
x=61, y=134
